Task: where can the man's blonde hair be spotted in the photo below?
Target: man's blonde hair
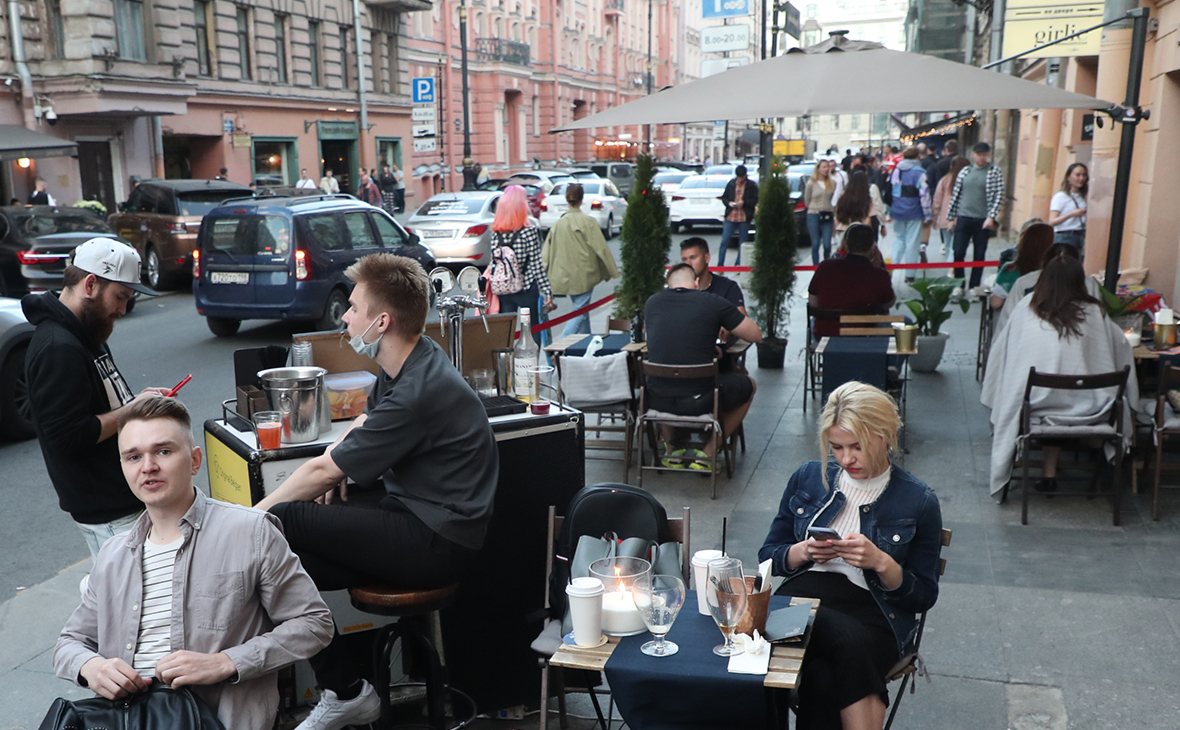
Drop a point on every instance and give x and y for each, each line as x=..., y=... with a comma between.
x=865, y=412
x=397, y=285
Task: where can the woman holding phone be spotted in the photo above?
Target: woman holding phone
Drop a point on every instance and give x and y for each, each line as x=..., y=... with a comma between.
x=876, y=579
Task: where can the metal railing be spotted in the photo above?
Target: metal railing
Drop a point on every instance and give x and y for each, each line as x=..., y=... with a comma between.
x=613, y=5
x=498, y=49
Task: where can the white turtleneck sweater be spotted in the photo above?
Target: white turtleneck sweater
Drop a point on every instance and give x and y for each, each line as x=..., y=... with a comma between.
x=857, y=493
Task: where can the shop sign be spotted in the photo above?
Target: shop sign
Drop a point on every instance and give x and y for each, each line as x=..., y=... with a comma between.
x=242, y=141
x=336, y=130
x=722, y=38
x=726, y=8
x=1033, y=23
x=422, y=114
x=1088, y=127
x=428, y=144
x=227, y=126
x=423, y=130
x=791, y=22
x=715, y=66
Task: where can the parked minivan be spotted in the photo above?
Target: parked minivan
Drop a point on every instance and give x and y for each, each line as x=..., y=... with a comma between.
x=622, y=174
x=284, y=258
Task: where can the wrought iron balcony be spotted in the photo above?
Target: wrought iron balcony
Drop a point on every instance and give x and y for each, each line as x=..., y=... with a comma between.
x=498, y=49
x=402, y=6
x=612, y=7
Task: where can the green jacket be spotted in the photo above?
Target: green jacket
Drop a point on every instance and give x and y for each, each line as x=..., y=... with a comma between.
x=576, y=256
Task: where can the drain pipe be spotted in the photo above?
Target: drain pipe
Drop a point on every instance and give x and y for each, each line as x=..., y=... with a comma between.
x=18, y=60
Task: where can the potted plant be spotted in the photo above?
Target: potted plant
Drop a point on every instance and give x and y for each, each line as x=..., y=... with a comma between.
x=773, y=275
x=1125, y=311
x=644, y=249
x=929, y=313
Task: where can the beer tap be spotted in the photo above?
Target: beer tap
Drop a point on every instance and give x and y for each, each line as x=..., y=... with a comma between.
x=452, y=308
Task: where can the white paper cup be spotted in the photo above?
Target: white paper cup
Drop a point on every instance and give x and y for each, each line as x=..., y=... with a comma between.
x=585, y=599
x=700, y=571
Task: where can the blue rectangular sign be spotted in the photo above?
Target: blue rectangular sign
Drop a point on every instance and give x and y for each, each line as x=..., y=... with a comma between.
x=726, y=8
x=424, y=88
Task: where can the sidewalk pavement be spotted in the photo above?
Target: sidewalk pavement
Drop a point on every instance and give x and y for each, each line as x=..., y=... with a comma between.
x=1065, y=622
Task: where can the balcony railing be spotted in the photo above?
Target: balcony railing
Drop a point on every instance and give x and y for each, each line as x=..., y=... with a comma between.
x=498, y=49
x=612, y=7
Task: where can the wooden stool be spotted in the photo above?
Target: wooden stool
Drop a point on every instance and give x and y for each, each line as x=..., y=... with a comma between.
x=389, y=601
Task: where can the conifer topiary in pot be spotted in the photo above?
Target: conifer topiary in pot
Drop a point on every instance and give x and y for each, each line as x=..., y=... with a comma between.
x=773, y=275
x=644, y=248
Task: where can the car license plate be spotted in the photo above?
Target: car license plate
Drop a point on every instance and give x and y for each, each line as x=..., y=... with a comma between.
x=700, y=201
x=437, y=234
x=229, y=277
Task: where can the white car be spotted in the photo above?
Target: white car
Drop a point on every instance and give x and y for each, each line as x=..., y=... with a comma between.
x=698, y=202
x=602, y=202
x=670, y=180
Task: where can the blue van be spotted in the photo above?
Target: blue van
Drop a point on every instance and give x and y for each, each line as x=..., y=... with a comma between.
x=284, y=258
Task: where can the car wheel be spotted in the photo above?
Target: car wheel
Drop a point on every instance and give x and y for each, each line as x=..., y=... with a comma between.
x=610, y=227
x=131, y=304
x=334, y=310
x=153, y=273
x=223, y=326
x=676, y=228
x=17, y=419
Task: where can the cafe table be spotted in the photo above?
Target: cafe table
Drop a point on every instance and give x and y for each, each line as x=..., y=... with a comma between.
x=846, y=358
x=692, y=689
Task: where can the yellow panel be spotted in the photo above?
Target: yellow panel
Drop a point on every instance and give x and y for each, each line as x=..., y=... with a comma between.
x=1032, y=23
x=229, y=474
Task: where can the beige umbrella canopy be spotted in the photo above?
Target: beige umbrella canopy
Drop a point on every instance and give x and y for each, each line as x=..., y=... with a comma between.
x=835, y=77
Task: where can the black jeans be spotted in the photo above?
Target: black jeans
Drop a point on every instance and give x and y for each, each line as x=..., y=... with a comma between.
x=399, y=197
x=344, y=546
x=971, y=230
x=510, y=303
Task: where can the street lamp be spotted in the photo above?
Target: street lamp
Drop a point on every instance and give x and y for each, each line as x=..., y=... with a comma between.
x=468, y=165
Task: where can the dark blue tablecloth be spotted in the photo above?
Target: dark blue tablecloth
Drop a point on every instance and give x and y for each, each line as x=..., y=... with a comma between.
x=611, y=344
x=690, y=690
x=854, y=358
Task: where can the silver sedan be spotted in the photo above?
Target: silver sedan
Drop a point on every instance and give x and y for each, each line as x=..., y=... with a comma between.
x=602, y=202
x=458, y=226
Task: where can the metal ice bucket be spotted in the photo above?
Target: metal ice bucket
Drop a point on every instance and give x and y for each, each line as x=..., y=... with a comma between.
x=298, y=394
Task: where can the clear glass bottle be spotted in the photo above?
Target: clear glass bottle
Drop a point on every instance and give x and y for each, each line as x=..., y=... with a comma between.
x=524, y=357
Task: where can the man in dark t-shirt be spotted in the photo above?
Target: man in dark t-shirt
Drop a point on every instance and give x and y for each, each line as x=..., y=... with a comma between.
x=682, y=323
x=426, y=438
x=850, y=282
x=695, y=252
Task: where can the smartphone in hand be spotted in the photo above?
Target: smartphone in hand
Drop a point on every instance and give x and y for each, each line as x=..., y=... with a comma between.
x=823, y=533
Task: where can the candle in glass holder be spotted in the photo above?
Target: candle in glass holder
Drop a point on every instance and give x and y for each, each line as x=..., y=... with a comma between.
x=620, y=617
x=1133, y=338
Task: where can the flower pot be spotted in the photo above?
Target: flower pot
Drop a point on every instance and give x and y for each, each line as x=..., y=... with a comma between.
x=930, y=348
x=771, y=353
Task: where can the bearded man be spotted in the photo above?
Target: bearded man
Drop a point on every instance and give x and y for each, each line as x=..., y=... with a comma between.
x=75, y=390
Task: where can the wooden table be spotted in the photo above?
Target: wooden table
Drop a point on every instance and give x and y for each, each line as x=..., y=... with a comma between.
x=785, y=659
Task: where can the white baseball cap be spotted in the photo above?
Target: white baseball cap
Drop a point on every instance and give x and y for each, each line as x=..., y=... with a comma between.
x=112, y=260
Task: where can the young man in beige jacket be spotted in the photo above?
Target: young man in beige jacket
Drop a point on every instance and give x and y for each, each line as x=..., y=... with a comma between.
x=576, y=258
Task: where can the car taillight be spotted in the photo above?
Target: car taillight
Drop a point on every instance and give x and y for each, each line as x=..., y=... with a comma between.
x=800, y=206
x=177, y=228
x=596, y=205
x=677, y=197
x=302, y=266
x=33, y=258
x=196, y=263
x=477, y=230
x=544, y=205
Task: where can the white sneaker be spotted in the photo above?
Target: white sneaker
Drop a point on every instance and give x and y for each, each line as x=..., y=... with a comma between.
x=332, y=713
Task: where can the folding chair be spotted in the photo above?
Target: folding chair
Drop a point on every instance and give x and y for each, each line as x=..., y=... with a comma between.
x=987, y=324
x=868, y=325
x=709, y=423
x=1031, y=436
x=1166, y=423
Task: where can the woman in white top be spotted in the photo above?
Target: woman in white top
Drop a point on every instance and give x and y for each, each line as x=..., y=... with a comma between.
x=1067, y=209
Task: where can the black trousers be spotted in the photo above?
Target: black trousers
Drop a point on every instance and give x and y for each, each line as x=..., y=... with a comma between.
x=852, y=648
x=347, y=545
x=971, y=230
x=399, y=196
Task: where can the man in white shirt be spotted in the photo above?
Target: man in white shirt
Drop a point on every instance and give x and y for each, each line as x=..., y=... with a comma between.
x=305, y=182
x=329, y=184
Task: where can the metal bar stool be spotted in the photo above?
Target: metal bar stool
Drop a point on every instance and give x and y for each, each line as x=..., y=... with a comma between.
x=389, y=601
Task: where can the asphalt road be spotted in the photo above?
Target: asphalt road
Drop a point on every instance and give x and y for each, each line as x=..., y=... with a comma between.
x=159, y=343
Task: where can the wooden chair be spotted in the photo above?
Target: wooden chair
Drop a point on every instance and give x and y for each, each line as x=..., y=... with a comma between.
x=868, y=325
x=1031, y=436
x=812, y=365
x=649, y=420
x=912, y=664
x=1165, y=424
x=679, y=530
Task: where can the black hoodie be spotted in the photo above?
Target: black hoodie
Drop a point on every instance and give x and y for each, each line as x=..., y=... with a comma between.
x=73, y=379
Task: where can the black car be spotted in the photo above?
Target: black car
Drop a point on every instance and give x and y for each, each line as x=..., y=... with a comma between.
x=16, y=418
x=36, y=241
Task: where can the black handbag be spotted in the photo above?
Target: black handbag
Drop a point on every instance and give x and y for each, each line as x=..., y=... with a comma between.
x=159, y=708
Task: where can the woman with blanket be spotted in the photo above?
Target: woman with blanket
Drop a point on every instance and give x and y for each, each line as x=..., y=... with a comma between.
x=1063, y=330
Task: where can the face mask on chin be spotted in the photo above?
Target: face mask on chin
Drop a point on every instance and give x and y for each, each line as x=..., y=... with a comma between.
x=368, y=349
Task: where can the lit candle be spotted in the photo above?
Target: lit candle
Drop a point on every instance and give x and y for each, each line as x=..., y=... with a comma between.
x=620, y=617
x=1133, y=338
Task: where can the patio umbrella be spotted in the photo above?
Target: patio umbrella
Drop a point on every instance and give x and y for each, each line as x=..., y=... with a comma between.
x=836, y=77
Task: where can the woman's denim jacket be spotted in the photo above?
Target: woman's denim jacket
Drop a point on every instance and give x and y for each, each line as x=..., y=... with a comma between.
x=905, y=522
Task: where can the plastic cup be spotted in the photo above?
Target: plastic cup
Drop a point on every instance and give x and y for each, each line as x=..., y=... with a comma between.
x=585, y=599
x=269, y=425
x=700, y=572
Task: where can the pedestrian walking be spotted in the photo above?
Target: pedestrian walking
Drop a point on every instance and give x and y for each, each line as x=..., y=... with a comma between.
x=511, y=230
x=939, y=169
x=941, y=206
x=328, y=183
x=222, y=174
x=1067, y=209
x=76, y=392
x=388, y=184
x=975, y=204
x=400, y=189
x=860, y=203
x=740, y=199
x=911, y=207
x=305, y=182
x=817, y=196
x=369, y=192
x=577, y=258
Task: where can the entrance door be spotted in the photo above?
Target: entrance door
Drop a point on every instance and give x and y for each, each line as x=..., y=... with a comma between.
x=337, y=156
x=98, y=180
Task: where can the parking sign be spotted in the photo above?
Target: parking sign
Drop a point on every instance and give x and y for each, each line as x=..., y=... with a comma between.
x=423, y=90
x=726, y=8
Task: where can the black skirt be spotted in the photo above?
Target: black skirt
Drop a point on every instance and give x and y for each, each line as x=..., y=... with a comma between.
x=852, y=648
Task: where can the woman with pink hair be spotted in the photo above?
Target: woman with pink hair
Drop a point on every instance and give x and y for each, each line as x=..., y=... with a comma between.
x=511, y=229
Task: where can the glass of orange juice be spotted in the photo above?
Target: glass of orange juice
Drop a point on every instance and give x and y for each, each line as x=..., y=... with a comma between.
x=269, y=425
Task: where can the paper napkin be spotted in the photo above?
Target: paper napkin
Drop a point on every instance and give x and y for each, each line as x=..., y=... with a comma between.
x=756, y=657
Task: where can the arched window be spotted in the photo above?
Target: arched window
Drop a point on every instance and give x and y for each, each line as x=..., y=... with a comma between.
x=496, y=28
x=480, y=25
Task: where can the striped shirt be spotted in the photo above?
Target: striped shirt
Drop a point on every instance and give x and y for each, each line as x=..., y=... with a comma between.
x=155, y=621
x=857, y=493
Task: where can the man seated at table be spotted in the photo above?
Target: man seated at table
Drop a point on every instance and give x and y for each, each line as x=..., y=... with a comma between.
x=200, y=593
x=426, y=438
x=850, y=283
x=695, y=252
x=682, y=325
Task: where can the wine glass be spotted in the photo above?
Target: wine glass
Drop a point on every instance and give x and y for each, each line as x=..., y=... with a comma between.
x=726, y=596
x=658, y=598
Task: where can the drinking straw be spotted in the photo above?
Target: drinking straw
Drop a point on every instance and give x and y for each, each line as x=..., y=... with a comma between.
x=724, y=520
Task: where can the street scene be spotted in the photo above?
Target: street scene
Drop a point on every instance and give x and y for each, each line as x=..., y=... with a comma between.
x=610, y=365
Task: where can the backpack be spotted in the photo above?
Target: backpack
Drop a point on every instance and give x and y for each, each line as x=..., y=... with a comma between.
x=504, y=275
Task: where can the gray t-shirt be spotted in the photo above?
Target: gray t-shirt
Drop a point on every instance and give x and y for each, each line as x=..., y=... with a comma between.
x=973, y=198
x=428, y=439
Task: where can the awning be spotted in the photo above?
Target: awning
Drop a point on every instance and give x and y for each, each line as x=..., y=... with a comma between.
x=948, y=126
x=17, y=142
x=838, y=82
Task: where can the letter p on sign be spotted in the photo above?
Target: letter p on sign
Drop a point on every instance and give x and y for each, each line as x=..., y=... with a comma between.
x=423, y=90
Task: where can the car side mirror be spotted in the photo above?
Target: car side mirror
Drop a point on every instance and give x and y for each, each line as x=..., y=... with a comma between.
x=414, y=239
